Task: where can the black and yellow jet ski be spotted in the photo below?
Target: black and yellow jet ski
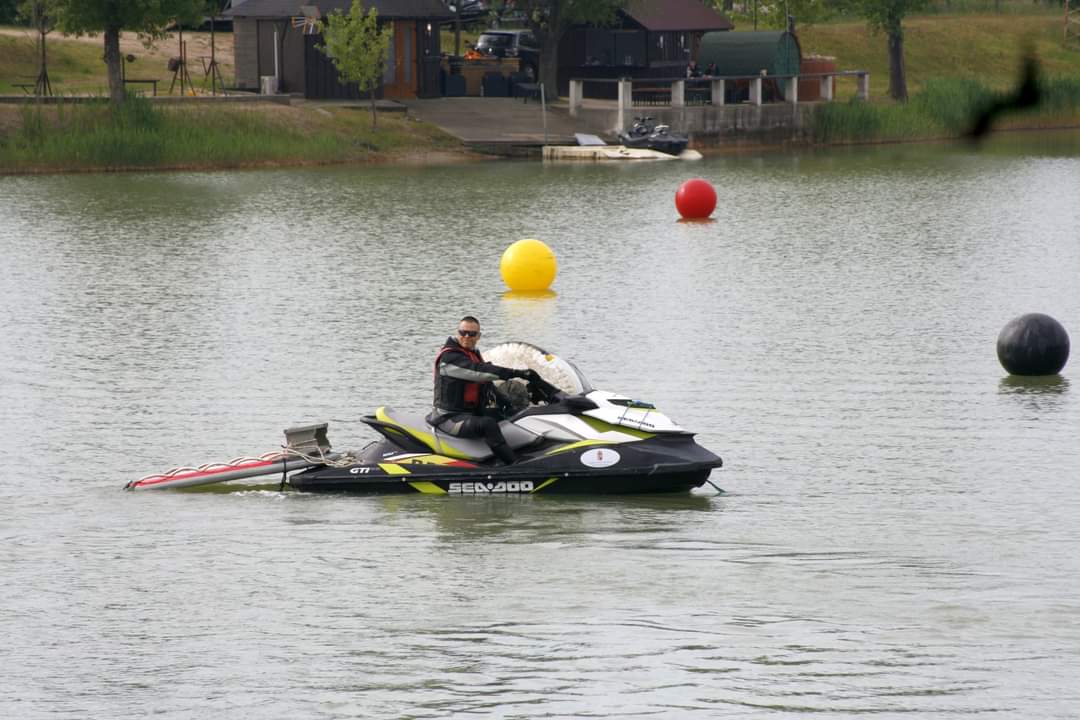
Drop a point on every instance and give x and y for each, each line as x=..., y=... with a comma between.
x=568, y=438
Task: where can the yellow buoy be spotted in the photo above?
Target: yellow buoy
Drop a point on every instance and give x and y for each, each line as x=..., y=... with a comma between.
x=528, y=265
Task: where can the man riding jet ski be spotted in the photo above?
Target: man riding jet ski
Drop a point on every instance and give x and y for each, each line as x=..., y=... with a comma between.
x=564, y=436
x=567, y=438
x=463, y=390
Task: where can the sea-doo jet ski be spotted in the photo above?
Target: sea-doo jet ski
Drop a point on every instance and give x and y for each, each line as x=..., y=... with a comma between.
x=568, y=438
x=645, y=133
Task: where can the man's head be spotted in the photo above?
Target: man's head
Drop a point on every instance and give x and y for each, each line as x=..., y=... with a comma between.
x=468, y=332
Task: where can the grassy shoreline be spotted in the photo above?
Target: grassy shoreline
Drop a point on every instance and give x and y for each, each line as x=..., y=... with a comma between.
x=944, y=109
x=92, y=137
x=956, y=65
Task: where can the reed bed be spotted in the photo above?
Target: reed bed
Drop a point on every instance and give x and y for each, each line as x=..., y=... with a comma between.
x=140, y=134
x=944, y=108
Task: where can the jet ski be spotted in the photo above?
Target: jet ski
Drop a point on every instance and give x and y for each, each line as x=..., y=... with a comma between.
x=646, y=134
x=568, y=438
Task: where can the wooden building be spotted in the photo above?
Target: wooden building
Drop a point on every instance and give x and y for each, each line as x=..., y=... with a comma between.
x=650, y=38
x=272, y=40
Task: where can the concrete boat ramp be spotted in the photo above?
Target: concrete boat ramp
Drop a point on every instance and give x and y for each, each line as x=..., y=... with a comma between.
x=499, y=126
x=512, y=127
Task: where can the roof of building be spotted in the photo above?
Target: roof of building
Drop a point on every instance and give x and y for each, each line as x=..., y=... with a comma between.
x=402, y=9
x=674, y=15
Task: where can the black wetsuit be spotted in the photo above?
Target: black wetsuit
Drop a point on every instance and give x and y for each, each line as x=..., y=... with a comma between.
x=462, y=389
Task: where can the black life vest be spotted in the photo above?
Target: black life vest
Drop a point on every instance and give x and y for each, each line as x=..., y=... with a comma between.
x=454, y=394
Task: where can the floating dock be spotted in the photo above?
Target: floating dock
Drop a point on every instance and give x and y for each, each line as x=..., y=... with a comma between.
x=599, y=153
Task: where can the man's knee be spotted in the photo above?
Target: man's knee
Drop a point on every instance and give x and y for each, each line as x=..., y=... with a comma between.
x=469, y=426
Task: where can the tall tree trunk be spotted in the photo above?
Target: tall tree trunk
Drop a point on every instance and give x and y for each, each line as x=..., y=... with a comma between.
x=549, y=66
x=112, y=63
x=41, y=87
x=897, y=74
x=549, y=38
x=374, y=113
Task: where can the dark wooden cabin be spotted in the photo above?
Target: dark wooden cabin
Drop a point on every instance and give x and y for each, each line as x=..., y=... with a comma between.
x=271, y=40
x=650, y=38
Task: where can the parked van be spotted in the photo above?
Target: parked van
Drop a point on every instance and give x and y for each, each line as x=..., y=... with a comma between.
x=512, y=43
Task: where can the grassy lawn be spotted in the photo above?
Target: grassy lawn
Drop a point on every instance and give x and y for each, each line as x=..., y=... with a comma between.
x=76, y=66
x=71, y=65
x=956, y=64
x=983, y=47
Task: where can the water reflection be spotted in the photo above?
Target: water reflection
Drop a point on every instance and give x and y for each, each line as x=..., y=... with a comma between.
x=529, y=315
x=526, y=296
x=534, y=518
x=1035, y=393
x=1033, y=385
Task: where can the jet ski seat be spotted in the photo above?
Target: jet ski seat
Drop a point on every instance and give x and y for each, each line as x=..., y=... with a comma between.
x=416, y=426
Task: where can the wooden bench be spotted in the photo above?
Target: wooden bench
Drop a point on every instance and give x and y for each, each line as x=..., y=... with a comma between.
x=134, y=81
x=28, y=88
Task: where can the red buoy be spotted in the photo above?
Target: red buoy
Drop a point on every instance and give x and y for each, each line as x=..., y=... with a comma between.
x=695, y=199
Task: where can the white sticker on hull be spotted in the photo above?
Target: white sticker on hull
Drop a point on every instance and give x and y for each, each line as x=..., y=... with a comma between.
x=599, y=457
x=487, y=488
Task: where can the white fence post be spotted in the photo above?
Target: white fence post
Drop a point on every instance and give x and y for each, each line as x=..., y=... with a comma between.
x=625, y=102
x=678, y=93
x=791, y=88
x=827, y=87
x=576, y=93
x=864, y=86
x=755, y=91
x=717, y=92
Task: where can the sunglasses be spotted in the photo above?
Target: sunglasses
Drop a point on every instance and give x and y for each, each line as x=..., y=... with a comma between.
x=469, y=333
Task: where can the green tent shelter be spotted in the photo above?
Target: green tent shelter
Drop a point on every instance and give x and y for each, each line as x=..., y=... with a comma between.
x=748, y=53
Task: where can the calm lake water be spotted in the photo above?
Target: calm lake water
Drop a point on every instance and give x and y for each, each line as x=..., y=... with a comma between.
x=901, y=529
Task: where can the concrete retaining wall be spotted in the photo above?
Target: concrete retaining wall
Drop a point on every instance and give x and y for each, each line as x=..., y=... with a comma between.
x=711, y=124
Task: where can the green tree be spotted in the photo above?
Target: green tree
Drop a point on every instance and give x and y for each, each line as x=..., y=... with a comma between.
x=550, y=19
x=888, y=16
x=8, y=11
x=109, y=17
x=358, y=47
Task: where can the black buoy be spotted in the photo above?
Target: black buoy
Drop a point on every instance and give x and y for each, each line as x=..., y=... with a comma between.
x=1033, y=344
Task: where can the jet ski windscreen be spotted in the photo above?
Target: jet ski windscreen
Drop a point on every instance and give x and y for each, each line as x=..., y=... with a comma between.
x=554, y=369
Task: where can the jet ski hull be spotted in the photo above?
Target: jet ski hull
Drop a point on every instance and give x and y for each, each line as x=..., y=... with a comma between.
x=661, y=468
x=669, y=144
x=508, y=482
